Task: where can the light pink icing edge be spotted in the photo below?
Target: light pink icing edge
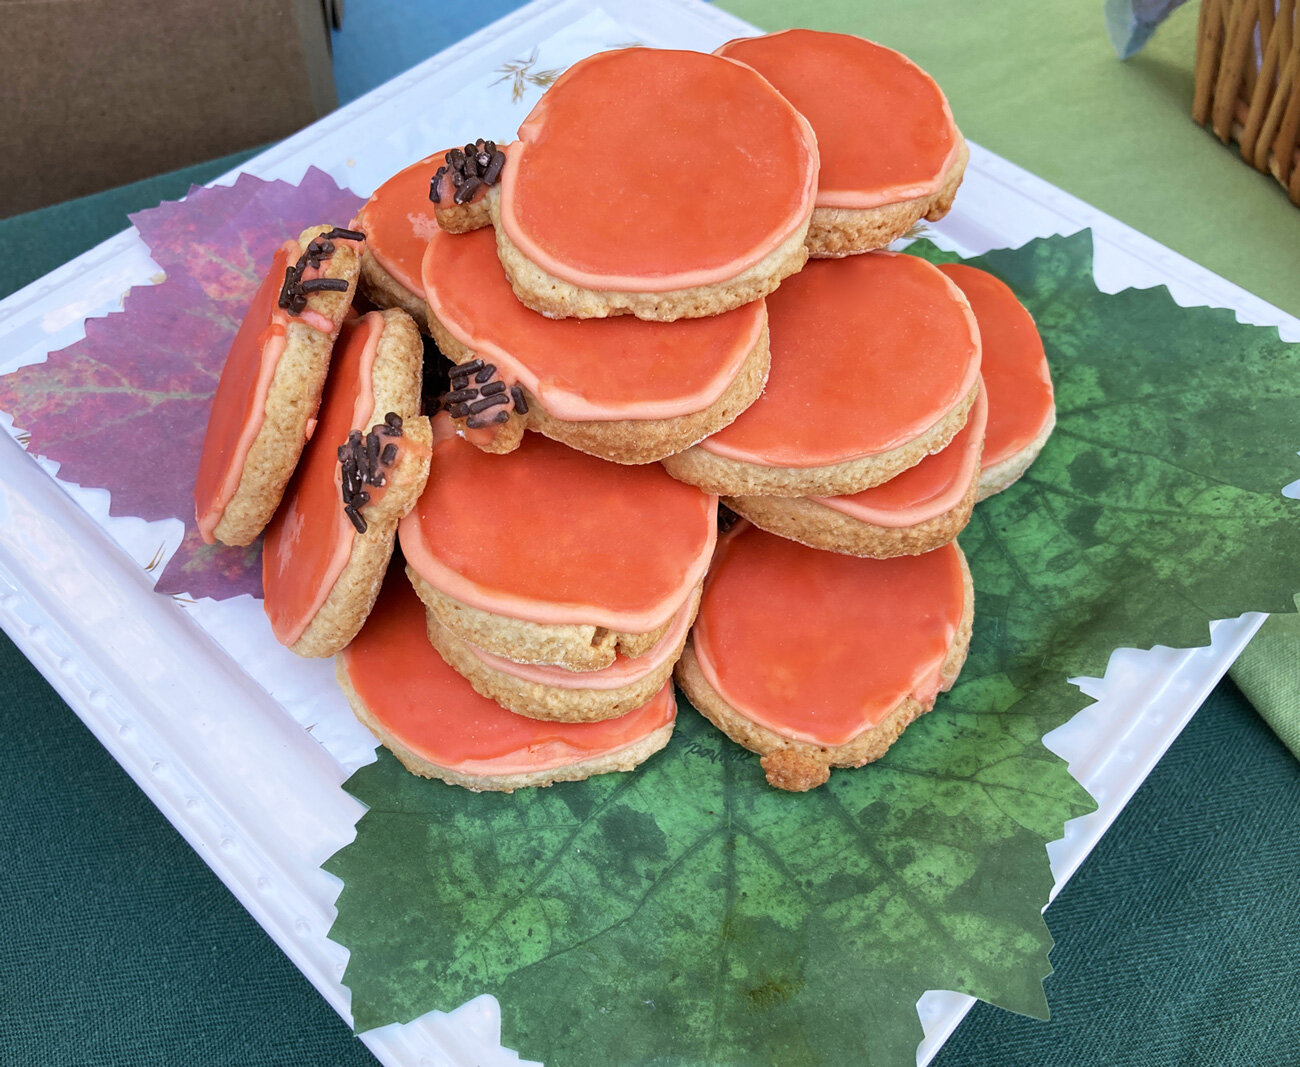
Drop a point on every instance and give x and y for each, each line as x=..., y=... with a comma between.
x=945, y=501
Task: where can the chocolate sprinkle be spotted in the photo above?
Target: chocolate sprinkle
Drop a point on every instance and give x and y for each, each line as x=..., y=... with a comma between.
x=470, y=169
x=517, y=395
x=487, y=402
x=486, y=373
x=477, y=422
x=492, y=388
x=363, y=460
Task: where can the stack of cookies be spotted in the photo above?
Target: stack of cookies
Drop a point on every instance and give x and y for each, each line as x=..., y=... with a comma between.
x=671, y=289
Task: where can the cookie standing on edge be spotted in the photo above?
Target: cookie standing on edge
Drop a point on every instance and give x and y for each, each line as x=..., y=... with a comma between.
x=864, y=646
x=1022, y=411
x=890, y=151
x=875, y=364
x=328, y=547
x=271, y=383
x=616, y=200
x=917, y=511
x=439, y=727
x=548, y=556
x=623, y=389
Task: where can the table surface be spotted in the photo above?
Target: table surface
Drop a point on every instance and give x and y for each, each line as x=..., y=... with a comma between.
x=1174, y=940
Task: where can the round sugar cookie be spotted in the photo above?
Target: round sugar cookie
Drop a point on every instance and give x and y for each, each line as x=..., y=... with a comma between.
x=890, y=151
x=328, y=547
x=624, y=389
x=875, y=364
x=1022, y=409
x=403, y=213
x=271, y=383
x=863, y=646
x=660, y=183
x=430, y=718
x=548, y=555
x=917, y=511
x=556, y=694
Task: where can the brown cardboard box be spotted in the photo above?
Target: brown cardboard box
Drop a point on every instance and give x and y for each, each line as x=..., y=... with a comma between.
x=95, y=93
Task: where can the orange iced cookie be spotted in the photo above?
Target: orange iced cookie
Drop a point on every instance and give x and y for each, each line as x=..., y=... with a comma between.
x=623, y=389
x=1022, y=411
x=439, y=727
x=659, y=183
x=863, y=646
x=917, y=511
x=328, y=547
x=890, y=151
x=875, y=364
x=548, y=555
x=403, y=213
x=271, y=383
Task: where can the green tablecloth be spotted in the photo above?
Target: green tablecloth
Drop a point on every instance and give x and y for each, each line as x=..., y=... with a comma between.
x=1174, y=940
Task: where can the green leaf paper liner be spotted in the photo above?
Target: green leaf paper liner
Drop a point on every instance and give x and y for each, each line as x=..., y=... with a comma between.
x=687, y=913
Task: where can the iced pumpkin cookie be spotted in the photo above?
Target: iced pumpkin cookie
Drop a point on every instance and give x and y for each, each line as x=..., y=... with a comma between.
x=875, y=364
x=432, y=720
x=863, y=646
x=660, y=183
x=890, y=151
x=917, y=511
x=623, y=389
x=271, y=383
x=403, y=213
x=1022, y=411
x=551, y=556
x=328, y=547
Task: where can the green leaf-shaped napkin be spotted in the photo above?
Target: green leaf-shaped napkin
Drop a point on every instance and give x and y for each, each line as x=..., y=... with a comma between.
x=686, y=913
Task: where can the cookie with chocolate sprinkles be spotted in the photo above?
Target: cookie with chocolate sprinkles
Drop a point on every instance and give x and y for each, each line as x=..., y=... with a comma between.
x=270, y=387
x=328, y=547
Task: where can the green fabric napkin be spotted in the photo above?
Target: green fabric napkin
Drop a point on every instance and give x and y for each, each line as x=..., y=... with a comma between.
x=1268, y=674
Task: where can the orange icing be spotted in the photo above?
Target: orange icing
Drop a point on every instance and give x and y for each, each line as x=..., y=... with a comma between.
x=398, y=221
x=239, y=405
x=597, y=369
x=310, y=539
x=855, y=636
x=883, y=126
x=650, y=169
x=868, y=352
x=935, y=485
x=435, y=713
x=625, y=670
x=1015, y=368
x=552, y=535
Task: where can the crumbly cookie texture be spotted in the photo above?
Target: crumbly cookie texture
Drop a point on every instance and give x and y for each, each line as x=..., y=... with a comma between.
x=1002, y=475
x=536, y=700
x=623, y=759
x=739, y=478
x=291, y=402
x=801, y=765
x=559, y=299
x=629, y=441
x=812, y=523
x=843, y=231
x=575, y=647
x=396, y=377
x=385, y=291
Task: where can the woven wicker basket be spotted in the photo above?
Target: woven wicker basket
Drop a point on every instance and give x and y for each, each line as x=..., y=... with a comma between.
x=1248, y=82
